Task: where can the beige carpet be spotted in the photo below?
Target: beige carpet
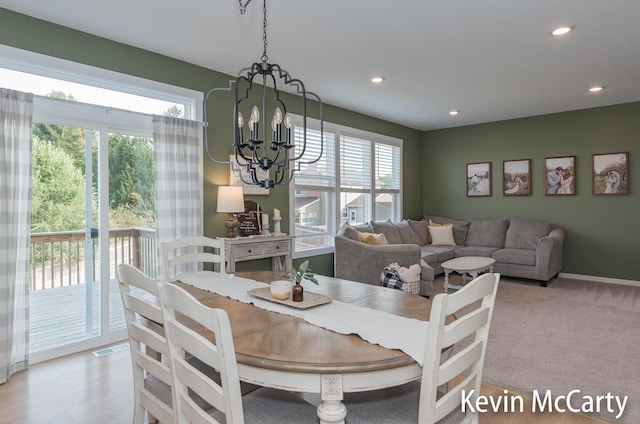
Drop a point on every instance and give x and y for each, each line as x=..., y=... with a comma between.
x=571, y=335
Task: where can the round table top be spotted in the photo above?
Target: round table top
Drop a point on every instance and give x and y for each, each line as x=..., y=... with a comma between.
x=468, y=263
x=284, y=343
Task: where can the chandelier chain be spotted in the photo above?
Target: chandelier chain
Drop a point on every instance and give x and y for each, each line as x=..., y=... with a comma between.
x=265, y=58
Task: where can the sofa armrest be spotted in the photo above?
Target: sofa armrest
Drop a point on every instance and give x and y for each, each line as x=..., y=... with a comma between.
x=363, y=262
x=549, y=254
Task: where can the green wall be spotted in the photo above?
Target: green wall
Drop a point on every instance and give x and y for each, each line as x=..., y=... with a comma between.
x=39, y=36
x=602, y=232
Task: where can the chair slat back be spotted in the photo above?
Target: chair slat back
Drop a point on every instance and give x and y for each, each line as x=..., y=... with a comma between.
x=147, y=344
x=473, y=307
x=217, y=352
x=187, y=254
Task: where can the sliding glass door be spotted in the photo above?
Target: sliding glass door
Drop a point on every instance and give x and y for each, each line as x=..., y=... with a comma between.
x=132, y=235
x=65, y=294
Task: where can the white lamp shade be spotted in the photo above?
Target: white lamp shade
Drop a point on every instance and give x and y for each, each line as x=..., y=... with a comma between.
x=230, y=199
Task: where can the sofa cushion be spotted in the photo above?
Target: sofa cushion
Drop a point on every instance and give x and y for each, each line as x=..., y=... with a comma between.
x=515, y=256
x=487, y=233
x=364, y=228
x=525, y=233
x=426, y=273
x=437, y=254
x=459, y=227
x=421, y=228
x=442, y=235
x=475, y=251
x=388, y=229
x=349, y=232
x=407, y=234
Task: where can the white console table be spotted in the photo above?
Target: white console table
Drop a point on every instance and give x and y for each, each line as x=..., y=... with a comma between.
x=278, y=248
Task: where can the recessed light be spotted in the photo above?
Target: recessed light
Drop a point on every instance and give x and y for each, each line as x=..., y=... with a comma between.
x=454, y=112
x=377, y=80
x=563, y=30
x=596, y=88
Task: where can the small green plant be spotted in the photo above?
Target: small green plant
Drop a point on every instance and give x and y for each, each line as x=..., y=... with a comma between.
x=303, y=271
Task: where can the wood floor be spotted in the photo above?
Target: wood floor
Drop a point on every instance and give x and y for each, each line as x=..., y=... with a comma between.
x=82, y=388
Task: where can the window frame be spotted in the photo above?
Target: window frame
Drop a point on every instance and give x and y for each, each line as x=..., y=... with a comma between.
x=52, y=67
x=335, y=217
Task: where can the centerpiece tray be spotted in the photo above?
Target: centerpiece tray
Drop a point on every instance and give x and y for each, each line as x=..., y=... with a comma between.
x=310, y=299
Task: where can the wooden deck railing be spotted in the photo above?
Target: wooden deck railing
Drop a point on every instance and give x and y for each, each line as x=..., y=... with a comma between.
x=58, y=259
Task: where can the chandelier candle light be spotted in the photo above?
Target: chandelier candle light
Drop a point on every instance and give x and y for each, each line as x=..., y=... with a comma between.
x=268, y=156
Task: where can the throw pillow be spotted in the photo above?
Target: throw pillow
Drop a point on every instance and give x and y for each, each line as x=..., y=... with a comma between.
x=459, y=227
x=388, y=229
x=525, y=233
x=374, y=239
x=349, y=232
x=432, y=224
x=407, y=234
x=442, y=235
x=487, y=233
x=421, y=228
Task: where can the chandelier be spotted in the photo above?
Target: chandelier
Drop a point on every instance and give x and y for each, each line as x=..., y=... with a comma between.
x=264, y=148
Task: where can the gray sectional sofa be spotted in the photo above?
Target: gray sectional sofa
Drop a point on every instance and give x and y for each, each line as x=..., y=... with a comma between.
x=522, y=248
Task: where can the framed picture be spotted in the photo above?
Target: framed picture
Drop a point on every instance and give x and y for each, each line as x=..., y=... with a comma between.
x=610, y=173
x=516, y=177
x=249, y=220
x=235, y=172
x=560, y=176
x=479, y=179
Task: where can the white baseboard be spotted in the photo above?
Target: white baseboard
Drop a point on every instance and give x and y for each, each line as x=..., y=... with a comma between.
x=600, y=279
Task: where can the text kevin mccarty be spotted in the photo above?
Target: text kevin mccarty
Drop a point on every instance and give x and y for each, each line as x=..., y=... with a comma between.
x=545, y=401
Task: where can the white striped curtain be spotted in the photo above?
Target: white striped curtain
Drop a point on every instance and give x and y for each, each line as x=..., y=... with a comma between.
x=15, y=215
x=178, y=177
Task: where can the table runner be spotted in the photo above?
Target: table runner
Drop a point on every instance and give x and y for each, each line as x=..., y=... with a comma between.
x=377, y=327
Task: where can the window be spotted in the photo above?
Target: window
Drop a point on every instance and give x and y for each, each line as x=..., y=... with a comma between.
x=94, y=127
x=313, y=196
x=357, y=180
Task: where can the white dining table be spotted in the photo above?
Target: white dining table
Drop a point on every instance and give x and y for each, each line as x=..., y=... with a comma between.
x=286, y=352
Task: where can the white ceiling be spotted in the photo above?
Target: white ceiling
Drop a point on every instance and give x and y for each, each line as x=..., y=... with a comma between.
x=490, y=59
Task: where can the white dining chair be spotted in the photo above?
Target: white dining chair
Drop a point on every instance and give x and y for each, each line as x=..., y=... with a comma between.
x=263, y=405
x=189, y=254
x=420, y=401
x=149, y=349
x=147, y=344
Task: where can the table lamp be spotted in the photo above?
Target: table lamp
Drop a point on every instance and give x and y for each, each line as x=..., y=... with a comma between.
x=231, y=201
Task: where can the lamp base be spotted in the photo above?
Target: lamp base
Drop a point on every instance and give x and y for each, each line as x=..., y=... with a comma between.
x=231, y=225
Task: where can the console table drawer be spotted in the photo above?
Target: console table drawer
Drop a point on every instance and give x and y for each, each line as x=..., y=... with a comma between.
x=276, y=247
x=249, y=251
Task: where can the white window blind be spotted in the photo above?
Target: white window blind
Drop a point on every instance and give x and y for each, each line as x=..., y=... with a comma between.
x=355, y=163
x=321, y=173
x=387, y=166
